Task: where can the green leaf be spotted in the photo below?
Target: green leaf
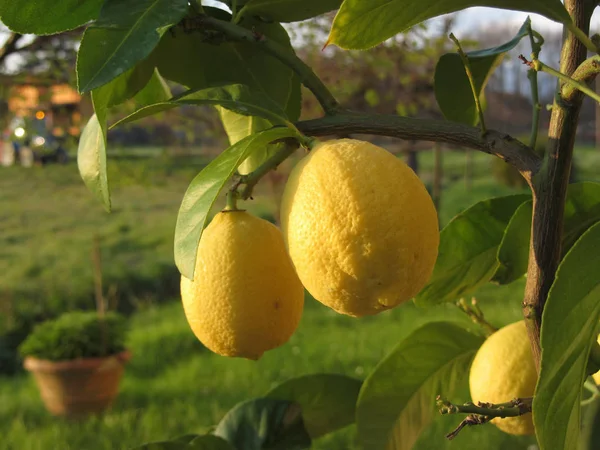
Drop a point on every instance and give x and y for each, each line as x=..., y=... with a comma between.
x=124, y=87
x=582, y=210
x=189, y=442
x=155, y=91
x=468, y=248
x=91, y=156
x=237, y=128
x=569, y=329
x=397, y=401
x=452, y=88
x=327, y=400
x=289, y=10
x=236, y=97
x=162, y=445
x=264, y=423
x=183, y=58
x=363, y=24
x=204, y=190
x=47, y=16
x=513, y=252
x=590, y=430
x=209, y=442
x=91, y=160
x=125, y=33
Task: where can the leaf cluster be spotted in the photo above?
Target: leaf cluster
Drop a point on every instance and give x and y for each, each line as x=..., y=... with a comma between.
x=76, y=335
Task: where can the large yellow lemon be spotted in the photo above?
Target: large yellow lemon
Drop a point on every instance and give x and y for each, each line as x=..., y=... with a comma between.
x=360, y=227
x=246, y=297
x=504, y=369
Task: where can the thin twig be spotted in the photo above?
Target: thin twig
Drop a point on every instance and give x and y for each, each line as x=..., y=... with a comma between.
x=536, y=47
x=467, y=65
x=476, y=315
x=470, y=420
x=538, y=66
x=483, y=412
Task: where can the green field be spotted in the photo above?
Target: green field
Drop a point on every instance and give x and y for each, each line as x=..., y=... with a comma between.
x=173, y=385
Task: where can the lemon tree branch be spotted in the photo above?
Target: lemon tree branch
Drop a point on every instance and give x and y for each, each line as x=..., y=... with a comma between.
x=549, y=185
x=493, y=142
x=483, y=412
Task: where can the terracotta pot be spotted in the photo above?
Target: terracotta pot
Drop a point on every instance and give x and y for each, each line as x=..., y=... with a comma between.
x=78, y=387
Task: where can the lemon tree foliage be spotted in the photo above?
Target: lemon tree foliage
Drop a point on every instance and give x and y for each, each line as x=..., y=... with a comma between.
x=264, y=423
x=397, y=400
x=353, y=218
x=328, y=401
x=204, y=189
x=91, y=160
x=187, y=58
x=590, y=428
x=513, y=251
x=353, y=25
x=189, y=442
x=452, y=87
x=125, y=33
x=157, y=90
x=236, y=97
x=582, y=210
x=47, y=16
x=468, y=248
x=288, y=10
x=573, y=307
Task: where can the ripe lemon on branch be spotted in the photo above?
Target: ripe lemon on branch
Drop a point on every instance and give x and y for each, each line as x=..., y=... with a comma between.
x=246, y=297
x=360, y=227
x=504, y=369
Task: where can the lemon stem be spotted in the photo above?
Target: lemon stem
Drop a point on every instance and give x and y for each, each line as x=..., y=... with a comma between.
x=250, y=180
x=232, y=197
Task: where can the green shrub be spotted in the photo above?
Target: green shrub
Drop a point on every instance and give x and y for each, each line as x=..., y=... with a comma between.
x=76, y=335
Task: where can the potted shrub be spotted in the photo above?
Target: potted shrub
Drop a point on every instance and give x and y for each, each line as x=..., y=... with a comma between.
x=77, y=361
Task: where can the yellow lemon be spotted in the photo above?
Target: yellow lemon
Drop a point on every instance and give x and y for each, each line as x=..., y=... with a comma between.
x=504, y=369
x=360, y=227
x=246, y=297
x=596, y=376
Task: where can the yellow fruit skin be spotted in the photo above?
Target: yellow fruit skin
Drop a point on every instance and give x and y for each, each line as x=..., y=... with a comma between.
x=246, y=297
x=596, y=376
x=360, y=227
x=504, y=369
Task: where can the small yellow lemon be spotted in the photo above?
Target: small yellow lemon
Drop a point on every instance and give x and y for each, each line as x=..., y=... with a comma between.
x=360, y=227
x=504, y=369
x=246, y=297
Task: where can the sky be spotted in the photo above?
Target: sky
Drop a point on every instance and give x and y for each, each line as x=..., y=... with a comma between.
x=480, y=17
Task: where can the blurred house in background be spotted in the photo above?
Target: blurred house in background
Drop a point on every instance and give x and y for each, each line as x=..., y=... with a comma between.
x=42, y=120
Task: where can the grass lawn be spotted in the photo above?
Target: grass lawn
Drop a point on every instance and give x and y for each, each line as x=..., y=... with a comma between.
x=173, y=385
